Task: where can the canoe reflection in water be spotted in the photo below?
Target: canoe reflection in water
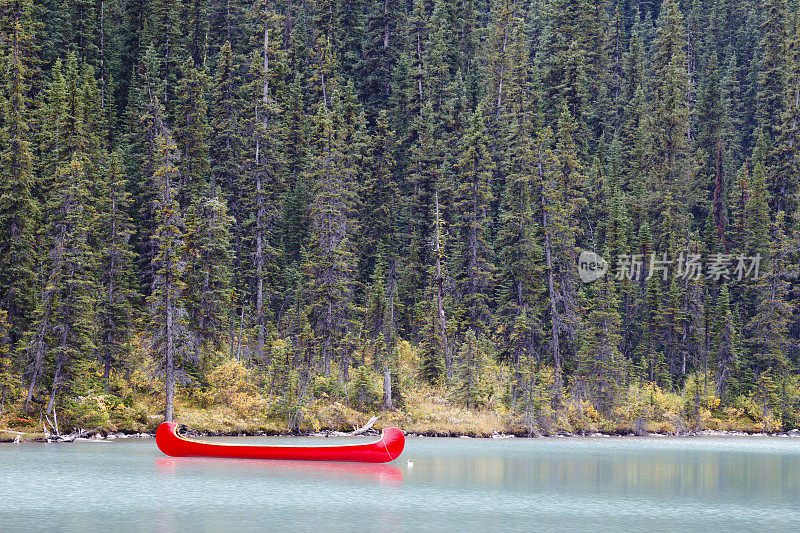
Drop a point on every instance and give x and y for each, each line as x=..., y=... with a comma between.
x=383, y=474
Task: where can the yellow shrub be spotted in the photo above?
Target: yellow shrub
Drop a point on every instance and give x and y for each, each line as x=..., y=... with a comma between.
x=232, y=385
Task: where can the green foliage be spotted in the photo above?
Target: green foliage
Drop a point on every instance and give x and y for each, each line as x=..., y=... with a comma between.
x=470, y=388
x=305, y=185
x=362, y=394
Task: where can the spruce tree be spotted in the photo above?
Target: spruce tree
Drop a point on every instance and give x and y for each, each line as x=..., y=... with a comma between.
x=191, y=135
x=333, y=169
x=470, y=388
x=601, y=369
x=559, y=174
x=475, y=265
x=64, y=318
x=208, y=272
x=115, y=227
x=725, y=342
x=673, y=169
x=166, y=299
x=18, y=207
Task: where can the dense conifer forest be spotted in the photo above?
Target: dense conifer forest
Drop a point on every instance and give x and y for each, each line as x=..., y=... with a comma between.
x=294, y=213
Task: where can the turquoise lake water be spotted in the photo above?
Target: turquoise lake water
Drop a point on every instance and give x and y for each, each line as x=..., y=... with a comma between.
x=560, y=484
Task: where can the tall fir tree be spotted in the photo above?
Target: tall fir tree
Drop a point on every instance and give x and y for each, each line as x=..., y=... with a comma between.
x=18, y=206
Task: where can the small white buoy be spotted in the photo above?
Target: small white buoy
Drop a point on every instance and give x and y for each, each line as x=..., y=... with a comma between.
x=410, y=464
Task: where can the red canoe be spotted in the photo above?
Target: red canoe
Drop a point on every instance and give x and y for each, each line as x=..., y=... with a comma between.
x=388, y=448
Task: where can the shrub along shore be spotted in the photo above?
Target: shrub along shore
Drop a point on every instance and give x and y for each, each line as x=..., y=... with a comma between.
x=231, y=402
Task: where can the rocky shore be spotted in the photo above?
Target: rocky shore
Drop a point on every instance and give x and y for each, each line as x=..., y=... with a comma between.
x=9, y=436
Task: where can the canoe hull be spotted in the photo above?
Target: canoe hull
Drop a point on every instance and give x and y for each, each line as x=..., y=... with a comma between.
x=388, y=448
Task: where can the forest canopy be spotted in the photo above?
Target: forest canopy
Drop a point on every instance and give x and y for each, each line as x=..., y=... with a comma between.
x=570, y=214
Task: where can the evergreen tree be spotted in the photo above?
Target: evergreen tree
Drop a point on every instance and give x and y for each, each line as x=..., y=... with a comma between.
x=18, y=206
x=208, y=271
x=431, y=351
x=725, y=341
x=470, y=388
x=166, y=300
x=601, y=369
x=519, y=254
x=379, y=54
x=767, y=328
x=333, y=169
x=772, y=68
x=191, y=135
x=673, y=172
x=115, y=227
x=63, y=326
x=475, y=266
x=559, y=175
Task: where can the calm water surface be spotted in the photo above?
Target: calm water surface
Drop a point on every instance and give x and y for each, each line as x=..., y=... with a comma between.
x=603, y=484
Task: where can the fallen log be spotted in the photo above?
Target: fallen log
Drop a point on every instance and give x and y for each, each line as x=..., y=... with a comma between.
x=80, y=435
x=366, y=427
x=356, y=431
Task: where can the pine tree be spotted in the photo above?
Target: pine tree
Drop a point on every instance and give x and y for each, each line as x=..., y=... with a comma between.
x=227, y=22
x=601, y=369
x=519, y=254
x=191, y=135
x=431, y=351
x=470, y=388
x=267, y=185
x=227, y=151
x=725, y=343
x=474, y=267
x=566, y=60
x=559, y=175
x=9, y=383
x=163, y=33
x=333, y=170
x=502, y=32
x=166, y=300
x=756, y=209
x=379, y=55
x=772, y=69
x=64, y=318
x=115, y=227
x=739, y=199
x=208, y=271
x=18, y=207
x=225, y=120
x=380, y=199
x=767, y=329
x=673, y=172
x=711, y=140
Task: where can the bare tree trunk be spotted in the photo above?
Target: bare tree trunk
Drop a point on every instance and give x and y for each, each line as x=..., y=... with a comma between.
x=38, y=349
x=56, y=378
x=502, y=73
x=169, y=378
x=555, y=317
x=102, y=55
x=260, y=202
x=387, y=389
x=448, y=364
x=259, y=266
x=239, y=336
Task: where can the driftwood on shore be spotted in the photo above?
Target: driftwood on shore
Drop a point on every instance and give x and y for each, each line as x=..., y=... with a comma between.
x=356, y=430
x=79, y=435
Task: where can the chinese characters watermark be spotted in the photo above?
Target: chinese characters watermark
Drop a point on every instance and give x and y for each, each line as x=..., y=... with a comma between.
x=634, y=267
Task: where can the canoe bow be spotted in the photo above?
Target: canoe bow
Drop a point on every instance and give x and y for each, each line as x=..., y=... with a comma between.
x=386, y=449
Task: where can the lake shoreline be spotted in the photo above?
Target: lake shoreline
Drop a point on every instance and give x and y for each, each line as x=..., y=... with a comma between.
x=99, y=435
